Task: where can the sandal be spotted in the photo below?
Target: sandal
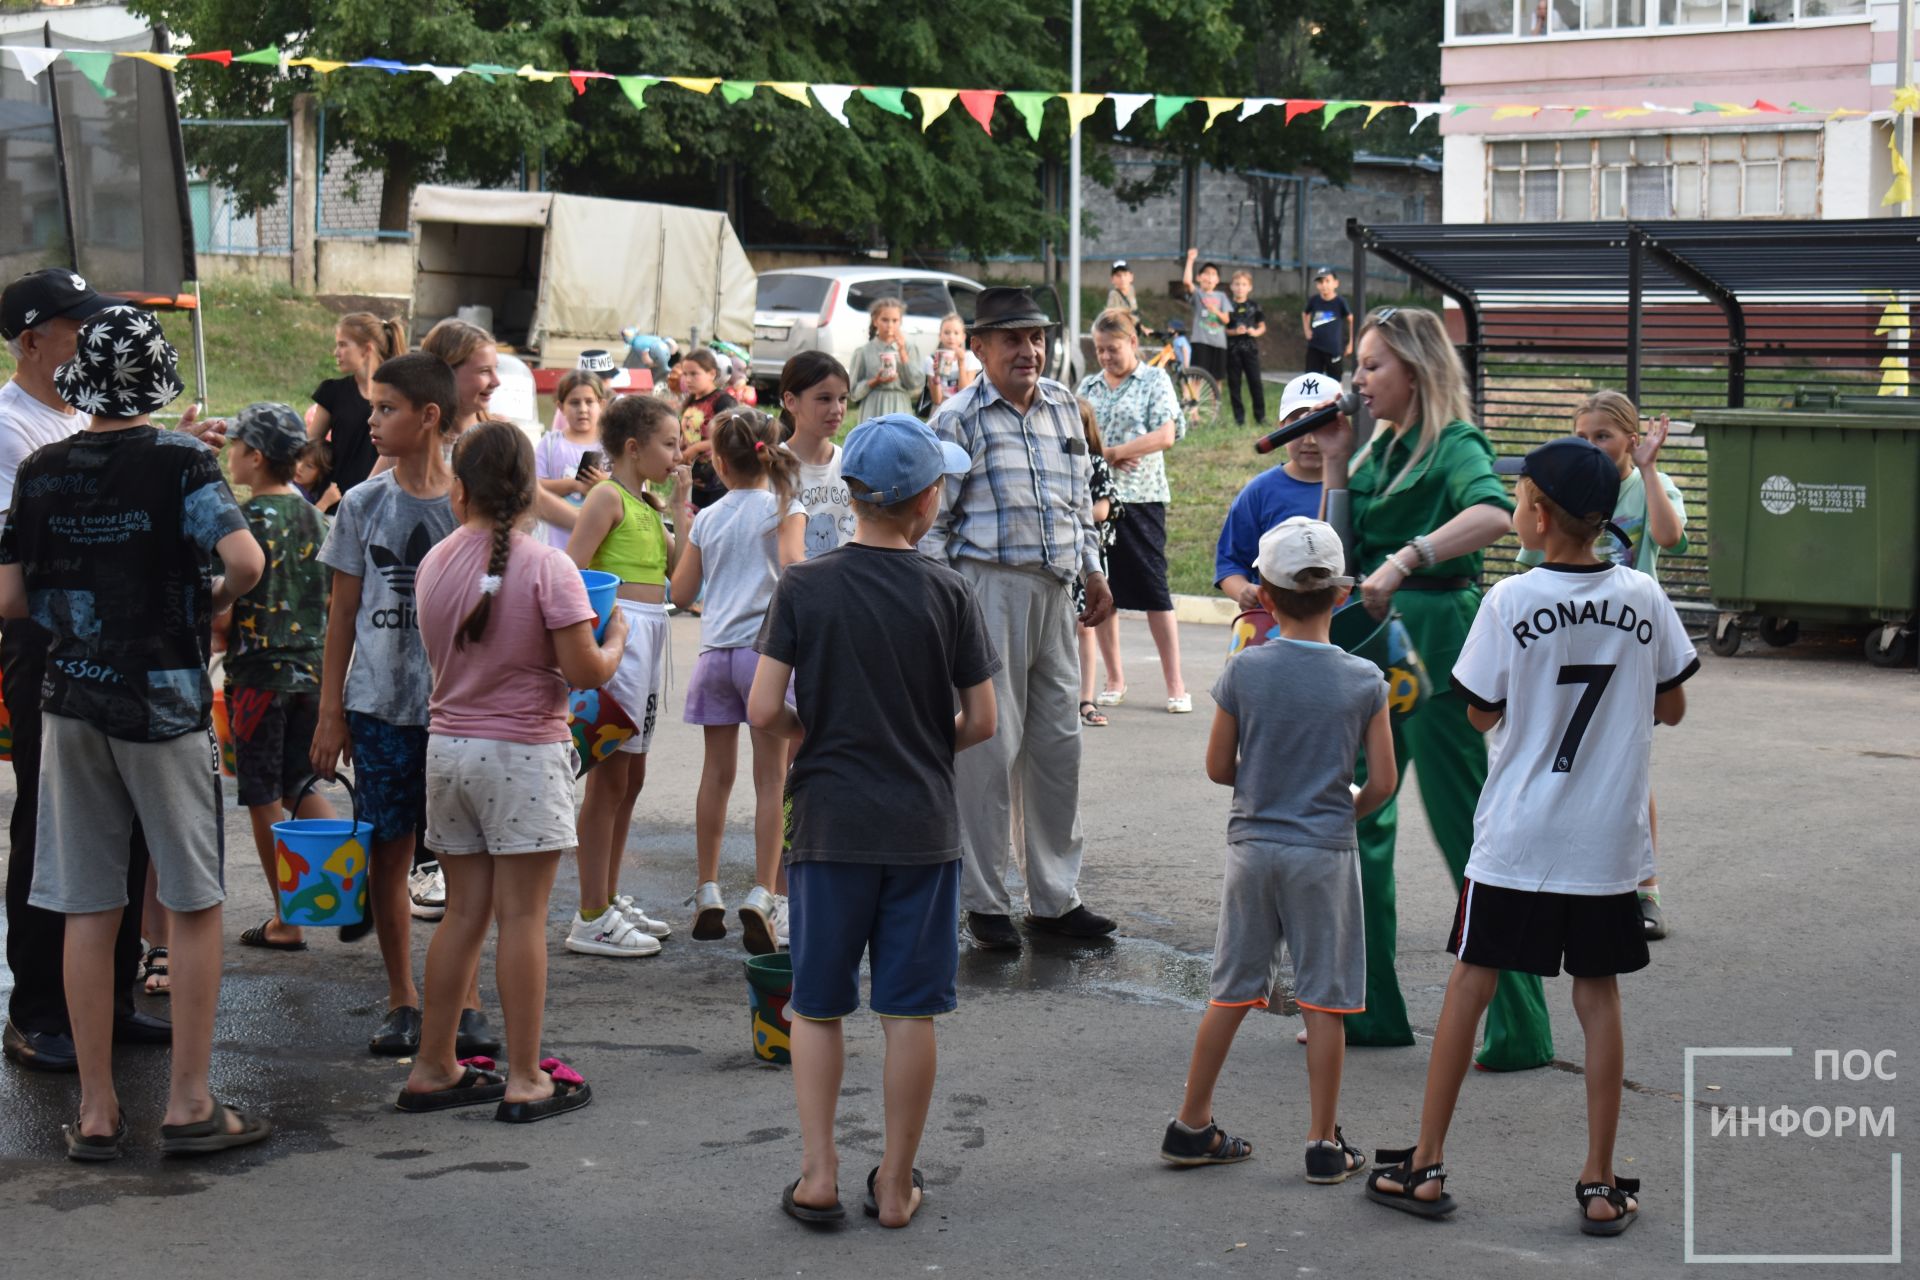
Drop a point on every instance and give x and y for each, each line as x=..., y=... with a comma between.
x=832, y=1216
x=90, y=1148
x=570, y=1093
x=479, y=1082
x=153, y=965
x=1333, y=1162
x=257, y=937
x=1090, y=716
x=1112, y=697
x=203, y=1137
x=1398, y=1166
x=1180, y=706
x=1614, y=1193
x=1188, y=1150
x=871, y=1207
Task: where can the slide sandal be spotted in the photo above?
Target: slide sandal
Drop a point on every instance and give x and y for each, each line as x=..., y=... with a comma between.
x=872, y=1205
x=479, y=1082
x=813, y=1217
x=570, y=1093
x=257, y=937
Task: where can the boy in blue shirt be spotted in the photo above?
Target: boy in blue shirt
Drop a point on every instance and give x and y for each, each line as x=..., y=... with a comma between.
x=1291, y=489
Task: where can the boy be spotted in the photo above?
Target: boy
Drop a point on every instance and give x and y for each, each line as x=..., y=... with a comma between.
x=1290, y=721
x=1121, y=296
x=1569, y=666
x=1246, y=325
x=375, y=714
x=108, y=549
x=1291, y=489
x=877, y=639
x=1326, y=322
x=274, y=648
x=1211, y=309
x=313, y=476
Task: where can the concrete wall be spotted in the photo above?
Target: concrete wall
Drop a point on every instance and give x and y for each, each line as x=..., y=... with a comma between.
x=365, y=268
x=253, y=268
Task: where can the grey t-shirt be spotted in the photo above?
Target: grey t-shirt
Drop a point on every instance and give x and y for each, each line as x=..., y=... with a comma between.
x=1302, y=710
x=739, y=541
x=380, y=535
x=1209, y=330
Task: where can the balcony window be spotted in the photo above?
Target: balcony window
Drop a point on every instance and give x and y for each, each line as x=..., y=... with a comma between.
x=1531, y=19
x=1655, y=176
x=1483, y=18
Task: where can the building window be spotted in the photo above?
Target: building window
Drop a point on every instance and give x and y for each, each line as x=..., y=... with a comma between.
x=1655, y=176
x=1532, y=19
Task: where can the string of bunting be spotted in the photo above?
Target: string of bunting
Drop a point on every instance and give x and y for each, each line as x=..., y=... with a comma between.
x=977, y=104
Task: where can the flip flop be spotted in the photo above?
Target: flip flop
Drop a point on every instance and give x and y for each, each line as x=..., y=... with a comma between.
x=257, y=937
x=479, y=1082
x=90, y=1148
x=872, y=1205
x=831, y=1217
x=203, y=1137
x=570, y=1093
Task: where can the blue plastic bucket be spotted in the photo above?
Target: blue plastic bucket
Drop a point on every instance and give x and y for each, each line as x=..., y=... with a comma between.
x=602, y=589
x=320, y=866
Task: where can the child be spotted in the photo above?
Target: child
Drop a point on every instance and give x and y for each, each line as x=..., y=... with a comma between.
x=1291, y=489
x=570, y=460
x=813, y=405
x=1569, y=667
x=377, y=712
x=1246, y=325
x=876, y=837
x=951, y=366
x=1211, y=310
x=1182, y=345
x=622, y=531
x=508, y=629
x=1326, y=322
x=703, y=404
x=1106, y=518
x=886, y=374
x=273, y=657
x=109, y=546
x=1290, y=721
x=1121, y=297
x=1652, y=516
x=313, y=476
x=361, y=342
x=739, y=547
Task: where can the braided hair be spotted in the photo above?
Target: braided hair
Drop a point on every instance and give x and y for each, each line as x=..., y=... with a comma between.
x=493, y=461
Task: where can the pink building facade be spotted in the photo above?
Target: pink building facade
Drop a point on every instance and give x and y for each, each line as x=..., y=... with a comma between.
x=1615, y=55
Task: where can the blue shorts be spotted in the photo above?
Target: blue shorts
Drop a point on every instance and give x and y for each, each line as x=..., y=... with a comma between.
x=389, y=775
x=906, y=918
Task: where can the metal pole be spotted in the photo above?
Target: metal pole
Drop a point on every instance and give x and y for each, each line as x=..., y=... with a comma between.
x=1635, y=313
x=1073, y=215
x=1903, y=123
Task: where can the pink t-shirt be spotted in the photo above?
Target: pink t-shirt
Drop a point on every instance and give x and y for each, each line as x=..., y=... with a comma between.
x=508, y=686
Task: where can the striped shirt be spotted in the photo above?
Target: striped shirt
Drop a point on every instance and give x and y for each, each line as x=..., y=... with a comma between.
x=1026, y=503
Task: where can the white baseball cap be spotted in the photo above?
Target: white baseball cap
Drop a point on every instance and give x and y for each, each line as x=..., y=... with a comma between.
x=1296, y=545
x=1306, y=391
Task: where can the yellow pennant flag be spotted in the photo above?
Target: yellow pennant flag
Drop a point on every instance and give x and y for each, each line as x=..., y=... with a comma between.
x=164, y=61
x=1515, y=113
x=1735, y=109
x=322, y=65
x=1216, y=107
x=795, y=89
x=933, y=104
x=1842, y=113
x=1907, y=99
x=1894, y=317
x=1082, y=105
x=529, y=72
x=1896, y=378
x=699, y=84
x=1375, y=108
x=1623, y=113
x=1902, y=189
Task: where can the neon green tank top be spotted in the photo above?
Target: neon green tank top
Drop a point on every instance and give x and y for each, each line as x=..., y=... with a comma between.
x=635, y=549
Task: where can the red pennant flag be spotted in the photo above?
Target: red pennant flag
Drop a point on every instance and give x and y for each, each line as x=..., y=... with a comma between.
x=1300, y=106
x=1761, y=104
x=979, y=105
x=222, y=56
x=579, y=79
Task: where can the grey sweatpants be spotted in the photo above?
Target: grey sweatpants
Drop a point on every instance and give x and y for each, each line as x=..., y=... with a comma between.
x=1023, y=785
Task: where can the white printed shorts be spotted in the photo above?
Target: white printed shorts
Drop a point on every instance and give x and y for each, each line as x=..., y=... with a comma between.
x=488, y=796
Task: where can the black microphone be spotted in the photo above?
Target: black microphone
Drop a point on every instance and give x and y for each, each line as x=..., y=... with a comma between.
x=1347, y=404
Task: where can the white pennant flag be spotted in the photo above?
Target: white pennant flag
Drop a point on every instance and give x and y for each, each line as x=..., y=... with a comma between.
x=32, y=59
x=1254, y=106
x=1125, y=105
x=444, y=75
x=1424, y=110
x=834, y=98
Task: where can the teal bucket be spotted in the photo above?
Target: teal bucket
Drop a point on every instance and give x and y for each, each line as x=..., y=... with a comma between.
x=1388, y=646
x=602, y=590
x=320, y=866
x=769, y=987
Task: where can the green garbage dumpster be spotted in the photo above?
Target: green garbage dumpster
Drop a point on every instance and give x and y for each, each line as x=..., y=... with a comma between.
x=1815, y=517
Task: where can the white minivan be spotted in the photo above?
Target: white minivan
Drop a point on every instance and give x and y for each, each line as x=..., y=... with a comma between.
x=825, y=309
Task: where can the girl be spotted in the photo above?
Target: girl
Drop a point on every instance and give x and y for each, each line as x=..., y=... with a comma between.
x=739, y=545
x=813, y=405
x=361, y=342
x=887, y=373
x=1106, y=514
x=566, y=459
x=704, y=401
x=623, y=532
x=951, y=367
x=313, y=476
x=508, y=629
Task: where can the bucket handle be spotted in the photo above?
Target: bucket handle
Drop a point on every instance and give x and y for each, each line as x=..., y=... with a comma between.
x=314, y=780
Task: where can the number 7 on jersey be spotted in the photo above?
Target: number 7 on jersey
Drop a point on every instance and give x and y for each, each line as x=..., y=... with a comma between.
x=1595, y=678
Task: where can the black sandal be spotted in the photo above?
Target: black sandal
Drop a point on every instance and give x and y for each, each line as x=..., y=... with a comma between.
x=871, y=1205
x=1187, y=1150
x=153, y=965
x=203, y=1137
x=478, y=1083
x=1398, y=1166
x=1614, y=1193
x=1333, y=1162
x=1091, y=716
x=93, y=1149
x=257, y=937
x=570, y=1093
x=832, y=1216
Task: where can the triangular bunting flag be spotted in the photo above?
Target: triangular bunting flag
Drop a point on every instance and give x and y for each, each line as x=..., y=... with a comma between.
x=1581, y=113
x=1126, y=106
x=1907, y=99
x=1079, y=107
x=699, y=84
x=737, y=90
x=1254, y=106
x=1515, y=113
x=1735, y=109
x=488, y=70
x=1902, y=189
x=1166, y=106
x=1761, y=104
x=1802, y=108
x=891, y=101
x=1375, y=108
x=1461, y=108
x=1333, y=110
x=1032, y=108
x=1841, y=113
x=795, y=89
x=1300, y=106
x=387, y=65
x=578, y=79
x=445, y=75
x=978, y=103
x=1216, y=107
x=635, y=87
x=1894, y=317
x=32, y=59
x=1423, y=112
x=93, y=64
x=530, y=72
x=222, y=56
x=327, y=67
x=834, y=98
x=1704, y=109
x=933, y=104
x=1624, y=113
x=267, y=57
x=164, y=61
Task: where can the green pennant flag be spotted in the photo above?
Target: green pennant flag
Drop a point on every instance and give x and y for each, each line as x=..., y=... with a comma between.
x=1704, y=109
x=1800, y=107
x=892, y=101
x=635, y=87
x=1581, y=113
x=488, y=70
x=93, y=64
x=1460, y=109
x=1332, y=110
x=737, y=90
x=1166, y=108
x=1032, y=108
x=267, y=57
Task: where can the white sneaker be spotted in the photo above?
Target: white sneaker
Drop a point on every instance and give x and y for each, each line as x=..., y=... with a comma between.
x=709, y=913
x=611, y=935
x=757, y=913
x=780, y=920
x=640, y=919
x=427, y=886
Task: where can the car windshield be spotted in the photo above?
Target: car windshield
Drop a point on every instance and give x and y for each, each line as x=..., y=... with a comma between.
x=791, y=293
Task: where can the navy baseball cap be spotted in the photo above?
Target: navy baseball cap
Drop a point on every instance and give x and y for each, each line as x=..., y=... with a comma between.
x=1579, y=479
x=897, y=456
x=43, y=295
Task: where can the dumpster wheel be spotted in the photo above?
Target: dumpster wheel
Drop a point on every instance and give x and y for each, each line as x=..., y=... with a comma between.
x=1725, y=637
x=1779, y=632
x=1890, y=645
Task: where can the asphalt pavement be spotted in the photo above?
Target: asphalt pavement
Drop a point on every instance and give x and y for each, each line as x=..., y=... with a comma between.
x=1790, y=823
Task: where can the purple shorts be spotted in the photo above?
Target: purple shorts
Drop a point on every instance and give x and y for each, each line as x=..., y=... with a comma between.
x=717, y=693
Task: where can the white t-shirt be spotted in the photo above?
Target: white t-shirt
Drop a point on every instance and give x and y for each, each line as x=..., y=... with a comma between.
x=1574, y=655
x=829, y=506
x=950, y=378
x=739, y=541
x=25, y=425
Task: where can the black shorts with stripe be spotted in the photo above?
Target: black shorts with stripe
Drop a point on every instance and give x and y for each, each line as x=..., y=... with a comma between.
x=1598, y=937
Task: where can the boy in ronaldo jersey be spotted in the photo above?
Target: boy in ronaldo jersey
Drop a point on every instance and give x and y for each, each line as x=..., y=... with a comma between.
x=1567, y=670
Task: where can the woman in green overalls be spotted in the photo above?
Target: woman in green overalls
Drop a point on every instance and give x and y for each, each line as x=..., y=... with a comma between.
x=1425, y=503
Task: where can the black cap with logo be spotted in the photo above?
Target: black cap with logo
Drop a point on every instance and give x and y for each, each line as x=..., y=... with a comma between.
x=40, y=296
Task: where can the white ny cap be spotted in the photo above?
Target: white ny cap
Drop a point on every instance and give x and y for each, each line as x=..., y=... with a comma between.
x=1296, y=545
x=1306, y=391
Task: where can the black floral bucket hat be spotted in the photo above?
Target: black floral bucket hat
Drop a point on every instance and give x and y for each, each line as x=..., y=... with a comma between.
x=122, y=367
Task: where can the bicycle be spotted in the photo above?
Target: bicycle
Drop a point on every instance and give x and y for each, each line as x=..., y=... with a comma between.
x=1197, y=390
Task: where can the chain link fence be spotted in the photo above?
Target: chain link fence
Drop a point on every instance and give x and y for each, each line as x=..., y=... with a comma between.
x=239, y=180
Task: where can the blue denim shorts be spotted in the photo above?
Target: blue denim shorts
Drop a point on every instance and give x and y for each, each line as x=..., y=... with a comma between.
x=389, y=775
x=905, y=919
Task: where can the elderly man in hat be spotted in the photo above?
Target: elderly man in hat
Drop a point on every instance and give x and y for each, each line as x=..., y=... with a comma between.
x=1019, y=527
